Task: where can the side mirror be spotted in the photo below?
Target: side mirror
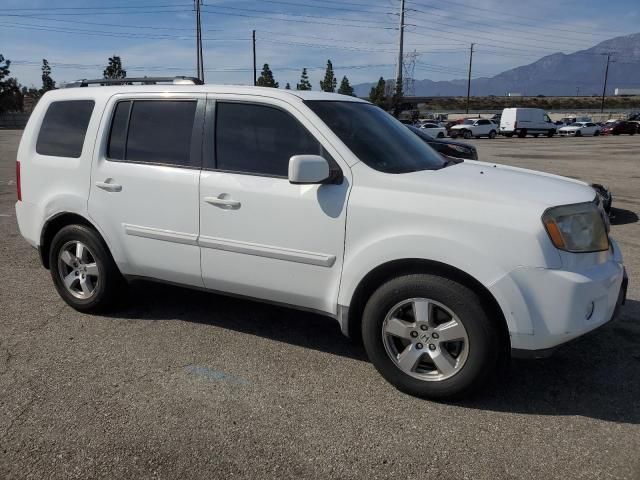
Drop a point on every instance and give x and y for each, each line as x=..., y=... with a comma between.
x=308, y=169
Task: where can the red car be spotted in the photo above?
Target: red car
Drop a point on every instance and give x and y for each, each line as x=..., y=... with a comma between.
x=619, y=127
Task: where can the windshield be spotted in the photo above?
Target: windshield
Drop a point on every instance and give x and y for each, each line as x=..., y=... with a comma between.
x=577, y=125
x=376, y=138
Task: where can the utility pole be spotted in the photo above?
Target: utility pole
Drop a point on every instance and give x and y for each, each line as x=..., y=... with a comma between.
x=606, y=77
x=469, y=79
x=199, y=59
x=400, y=50
x=255, y=73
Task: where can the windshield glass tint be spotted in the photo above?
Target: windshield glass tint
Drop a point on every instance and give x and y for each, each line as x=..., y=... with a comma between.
x=376, y=138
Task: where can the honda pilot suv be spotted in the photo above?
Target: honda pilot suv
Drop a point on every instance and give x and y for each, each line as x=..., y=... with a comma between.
x=322, y=202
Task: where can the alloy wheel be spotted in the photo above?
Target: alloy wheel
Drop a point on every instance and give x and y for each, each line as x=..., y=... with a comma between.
x=78, y=269
x=425, y=339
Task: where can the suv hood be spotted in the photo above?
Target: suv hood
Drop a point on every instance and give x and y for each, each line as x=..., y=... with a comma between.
x=492, y=183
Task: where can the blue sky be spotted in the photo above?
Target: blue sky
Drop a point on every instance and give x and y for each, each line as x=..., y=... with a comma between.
x=359, y=36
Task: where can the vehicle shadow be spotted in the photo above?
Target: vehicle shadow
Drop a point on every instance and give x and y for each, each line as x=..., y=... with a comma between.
x=620, y=216
x=156, y=301
x=595, y=376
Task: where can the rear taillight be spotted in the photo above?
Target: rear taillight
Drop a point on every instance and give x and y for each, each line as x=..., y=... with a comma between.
x=18, y=188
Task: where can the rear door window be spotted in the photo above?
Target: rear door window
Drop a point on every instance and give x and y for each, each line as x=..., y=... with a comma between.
x=64, y=128
x=153, y=131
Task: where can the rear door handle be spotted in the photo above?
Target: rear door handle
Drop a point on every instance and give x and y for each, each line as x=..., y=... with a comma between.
x=109, y=186
x=223, y=202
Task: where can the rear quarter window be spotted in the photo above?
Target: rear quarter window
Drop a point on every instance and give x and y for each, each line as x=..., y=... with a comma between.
x=64, y=128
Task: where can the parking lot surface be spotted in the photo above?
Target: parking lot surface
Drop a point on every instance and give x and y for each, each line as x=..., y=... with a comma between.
x=187, y=384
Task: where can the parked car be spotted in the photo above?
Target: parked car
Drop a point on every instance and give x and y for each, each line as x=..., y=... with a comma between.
x=580, y=129
x=620, y=127
x=433, y=129
x=440, y=267
x=447, y=148
x=526, y=121
x=474, y=128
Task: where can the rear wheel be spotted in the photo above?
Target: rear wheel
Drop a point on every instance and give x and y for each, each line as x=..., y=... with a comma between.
x=83, y=270
x=551, y=133
x=492, y=134
x=596, y=133
x=430, y=337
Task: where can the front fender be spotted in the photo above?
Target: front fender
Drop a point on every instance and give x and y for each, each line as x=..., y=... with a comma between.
x=455, y=253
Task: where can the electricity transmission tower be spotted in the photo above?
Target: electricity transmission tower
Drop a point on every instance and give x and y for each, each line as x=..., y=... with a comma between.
x=409, y=67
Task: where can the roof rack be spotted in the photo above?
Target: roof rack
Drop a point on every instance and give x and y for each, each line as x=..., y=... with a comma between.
x=180, y=80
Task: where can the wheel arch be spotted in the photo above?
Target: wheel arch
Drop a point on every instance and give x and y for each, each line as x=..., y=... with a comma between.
x=382, y=273
x=54, y=224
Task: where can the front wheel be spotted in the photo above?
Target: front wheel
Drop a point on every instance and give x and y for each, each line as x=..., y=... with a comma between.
x=578, y=133
x=440, y=135
x=467, y=135
x=430, y=337
x=83, y=270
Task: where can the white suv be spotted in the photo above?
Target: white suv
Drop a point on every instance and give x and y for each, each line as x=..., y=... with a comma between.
x=478, y=127
x=322, y=202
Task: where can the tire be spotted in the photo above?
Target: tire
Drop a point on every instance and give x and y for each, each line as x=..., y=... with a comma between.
x=95, y=281
x=522, y=133
x=467, y=135
x=492, y=134
x=468, y=364
x=596, y=133
x=440, y=135
x=578, y=133
x=550, y=133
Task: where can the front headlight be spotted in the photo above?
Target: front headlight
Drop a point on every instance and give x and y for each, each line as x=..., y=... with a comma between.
x=576, y=228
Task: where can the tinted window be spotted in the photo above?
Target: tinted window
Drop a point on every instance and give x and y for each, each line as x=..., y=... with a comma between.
x=484, y=122
x=259, y=139
x=376, y=138
x=64, y=127
x=159, y=131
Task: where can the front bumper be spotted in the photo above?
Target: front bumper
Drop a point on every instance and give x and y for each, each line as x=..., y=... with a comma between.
x=547, y=352
x=548, y=307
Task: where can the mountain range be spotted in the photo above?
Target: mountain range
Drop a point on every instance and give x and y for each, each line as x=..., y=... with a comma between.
x=555, y=74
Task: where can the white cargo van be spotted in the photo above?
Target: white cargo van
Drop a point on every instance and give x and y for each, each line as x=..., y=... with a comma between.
x=526, y=121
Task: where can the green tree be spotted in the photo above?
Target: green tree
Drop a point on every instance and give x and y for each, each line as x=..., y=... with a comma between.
x=47, y=82
x=377, y=94
x=266, y=78
x=396, y=100
x=114, y=69
x=345, y=87
x=11, y=96
x=287, y=86
x=304, y=81
x=329, y=83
